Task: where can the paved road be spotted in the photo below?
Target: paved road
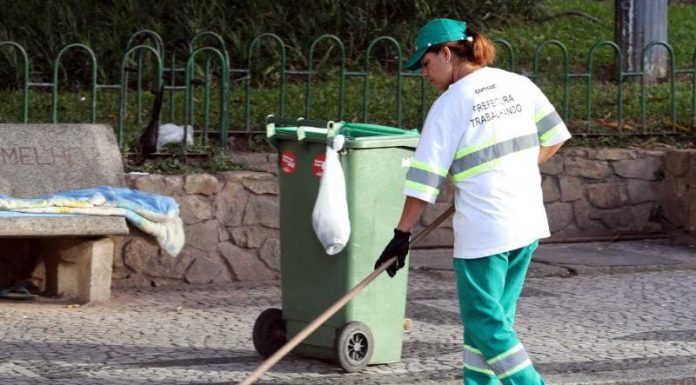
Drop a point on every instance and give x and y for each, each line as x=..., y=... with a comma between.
x=592, y=323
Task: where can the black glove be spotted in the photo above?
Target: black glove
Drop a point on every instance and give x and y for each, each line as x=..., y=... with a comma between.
x=397, y=247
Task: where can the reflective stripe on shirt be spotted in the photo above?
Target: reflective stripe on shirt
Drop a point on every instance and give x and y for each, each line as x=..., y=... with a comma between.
x=548, y=125
x=488, y=157
x=425, y=178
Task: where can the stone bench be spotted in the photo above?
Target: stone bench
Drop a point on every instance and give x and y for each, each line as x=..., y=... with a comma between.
x=39, y=159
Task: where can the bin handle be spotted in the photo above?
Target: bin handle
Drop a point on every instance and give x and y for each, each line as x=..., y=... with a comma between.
x=330, y=126
x=285, y=121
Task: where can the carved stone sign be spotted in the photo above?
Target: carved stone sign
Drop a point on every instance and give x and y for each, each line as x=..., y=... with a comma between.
x=38, y=159
x=38, y=156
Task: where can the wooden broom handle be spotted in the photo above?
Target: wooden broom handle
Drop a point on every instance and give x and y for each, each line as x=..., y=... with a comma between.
x=323, y=317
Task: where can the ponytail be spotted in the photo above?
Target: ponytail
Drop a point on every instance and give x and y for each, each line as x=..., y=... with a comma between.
x=476, y=49
x=483, y=50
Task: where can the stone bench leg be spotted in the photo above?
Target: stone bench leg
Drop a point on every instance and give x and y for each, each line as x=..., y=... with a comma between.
x=79, y=268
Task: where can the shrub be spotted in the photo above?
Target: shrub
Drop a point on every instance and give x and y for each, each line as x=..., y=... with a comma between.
x=44, y=27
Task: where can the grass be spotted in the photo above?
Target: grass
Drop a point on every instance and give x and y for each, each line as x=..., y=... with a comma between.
x=577, y=24
x=577, y=33
x=580, y=24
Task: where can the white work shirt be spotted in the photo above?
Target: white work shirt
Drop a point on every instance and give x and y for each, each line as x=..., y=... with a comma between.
x=485, y=131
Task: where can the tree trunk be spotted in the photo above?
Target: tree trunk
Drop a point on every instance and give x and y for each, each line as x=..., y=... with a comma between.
x=637, y=23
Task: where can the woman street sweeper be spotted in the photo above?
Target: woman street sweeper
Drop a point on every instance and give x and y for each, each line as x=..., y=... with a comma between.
x=489, y=129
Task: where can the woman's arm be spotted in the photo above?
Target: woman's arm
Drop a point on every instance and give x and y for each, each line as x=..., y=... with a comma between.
x=547, y=152
x=413, y=209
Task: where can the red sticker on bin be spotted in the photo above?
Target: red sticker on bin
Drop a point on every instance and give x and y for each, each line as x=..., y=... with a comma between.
x=318, y=164
x=288, y=162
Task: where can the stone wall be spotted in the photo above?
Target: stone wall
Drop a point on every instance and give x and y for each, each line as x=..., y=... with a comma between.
x=231, y=224
x=589, y=193
x=598, y=192
x=232, y=218
x=679, y=186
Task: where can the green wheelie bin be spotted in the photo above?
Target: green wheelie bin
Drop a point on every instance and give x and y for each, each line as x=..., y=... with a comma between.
x=369, y=329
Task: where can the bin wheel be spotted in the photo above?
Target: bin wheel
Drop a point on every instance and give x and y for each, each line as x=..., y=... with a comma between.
x=353, y=346
x=269, y=332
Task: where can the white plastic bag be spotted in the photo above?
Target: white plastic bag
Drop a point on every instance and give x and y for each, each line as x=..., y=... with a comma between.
x=330, y=215
x=172, y=133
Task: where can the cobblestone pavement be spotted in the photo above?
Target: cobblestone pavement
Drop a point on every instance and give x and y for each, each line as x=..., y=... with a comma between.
x=629, y=328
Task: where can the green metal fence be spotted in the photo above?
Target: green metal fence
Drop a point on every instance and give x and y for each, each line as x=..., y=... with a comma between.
x=206, y=65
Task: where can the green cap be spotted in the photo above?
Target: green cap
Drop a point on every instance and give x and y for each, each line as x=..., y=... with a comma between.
x=436, y=31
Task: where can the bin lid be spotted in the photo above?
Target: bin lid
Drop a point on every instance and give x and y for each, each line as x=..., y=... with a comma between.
x=357, y=135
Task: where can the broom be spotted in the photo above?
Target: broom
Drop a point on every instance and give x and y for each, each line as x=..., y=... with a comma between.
x=323, y=317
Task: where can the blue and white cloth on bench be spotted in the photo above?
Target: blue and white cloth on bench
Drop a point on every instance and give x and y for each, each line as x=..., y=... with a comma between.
x=155, y=215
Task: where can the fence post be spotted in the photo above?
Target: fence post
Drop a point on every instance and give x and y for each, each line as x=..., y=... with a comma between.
x=342, y=75
x=566, y=69
x=512, y=59
x=124, y=85
x=398, y=77
x=643, y=110
x=225, y=83
x=159, y=46
x=247, y=87
x=693, y=93
x=224, y=76
x=25, y=86
x=93, y=88
x=619, y=77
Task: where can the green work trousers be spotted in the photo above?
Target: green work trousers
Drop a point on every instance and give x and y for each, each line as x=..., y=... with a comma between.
x=488, y=290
